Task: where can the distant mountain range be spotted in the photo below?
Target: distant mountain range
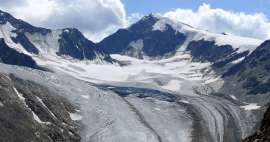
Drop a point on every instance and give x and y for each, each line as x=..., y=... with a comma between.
x=57, y=85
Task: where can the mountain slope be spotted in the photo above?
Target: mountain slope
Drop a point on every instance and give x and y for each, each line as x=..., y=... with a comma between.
x=249, y=79
x=31, y=112
x=13, y=57
x=156, y=36
x=32, y=40
x=263, y=134
x=140, y=40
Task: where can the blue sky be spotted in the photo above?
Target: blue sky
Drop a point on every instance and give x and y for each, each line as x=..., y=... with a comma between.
x=154, y=6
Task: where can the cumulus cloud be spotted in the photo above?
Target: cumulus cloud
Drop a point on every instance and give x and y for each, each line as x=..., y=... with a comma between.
x=219, y=20
x=93, y=17
x=99, y=18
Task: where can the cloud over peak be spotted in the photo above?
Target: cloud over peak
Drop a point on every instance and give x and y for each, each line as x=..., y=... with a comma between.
x=219, y=20
x=90, y=16
x=98, y=18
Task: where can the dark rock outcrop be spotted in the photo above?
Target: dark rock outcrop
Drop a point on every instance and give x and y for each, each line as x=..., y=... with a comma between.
x=253, y=71
x=13, y=57
x=152, y=43
x=263, y=134
x=209, y=51
x=23, y=40
x=74, y=44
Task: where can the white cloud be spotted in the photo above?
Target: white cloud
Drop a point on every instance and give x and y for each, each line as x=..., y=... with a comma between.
x=219, y=20
x=99, y=18
x=134, y=17
x=93, y=17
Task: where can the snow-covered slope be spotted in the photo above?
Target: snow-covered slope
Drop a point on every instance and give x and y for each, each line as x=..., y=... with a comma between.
x=35, y=41
x=241, y=44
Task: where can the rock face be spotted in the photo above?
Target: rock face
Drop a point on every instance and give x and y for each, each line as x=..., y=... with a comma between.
x=74, y=44
x=207, y=51
x=142, y=40
x=68, y=42
x=263, y=134
x=13, y=57
x=219, y=55
x=30, y=112
x=249, y=79
x=254, y=70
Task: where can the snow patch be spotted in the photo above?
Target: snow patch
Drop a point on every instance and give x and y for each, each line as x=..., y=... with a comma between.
x=1, y=104
x=40, y=100
x=233, y=97
x=238, y=60
x=75, y=116
x=173, y=85
x=66, y=31
x=249, y=107
x=19, y=95
x=37, y=119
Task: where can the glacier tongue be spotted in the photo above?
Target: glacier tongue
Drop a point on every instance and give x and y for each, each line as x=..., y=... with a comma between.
x=106, y=116
x=146, y=101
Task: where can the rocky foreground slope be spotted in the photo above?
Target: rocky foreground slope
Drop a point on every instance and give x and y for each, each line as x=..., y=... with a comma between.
x=263, y=134
x=31, y=112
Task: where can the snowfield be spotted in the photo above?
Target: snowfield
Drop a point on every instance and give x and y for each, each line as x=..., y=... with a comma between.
x=167, y=73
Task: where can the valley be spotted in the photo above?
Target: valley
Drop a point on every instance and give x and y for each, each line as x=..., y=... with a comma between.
x=156, y=81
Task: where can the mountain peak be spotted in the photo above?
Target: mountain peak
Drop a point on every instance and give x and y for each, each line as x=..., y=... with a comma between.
x=62, y=42
x=4, y=17
x=20, y=25
x=146, y=23
x=151, y=16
